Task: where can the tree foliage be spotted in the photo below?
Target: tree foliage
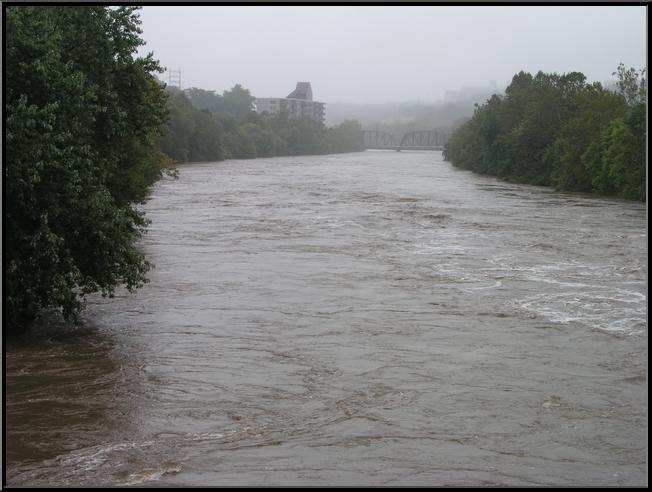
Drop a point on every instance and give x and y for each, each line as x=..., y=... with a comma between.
x=83, y=115
x=206, y=126
x=236, y=102
x=561, y=131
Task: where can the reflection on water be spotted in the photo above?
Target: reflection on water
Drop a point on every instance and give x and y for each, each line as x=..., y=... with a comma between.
x=368, y=319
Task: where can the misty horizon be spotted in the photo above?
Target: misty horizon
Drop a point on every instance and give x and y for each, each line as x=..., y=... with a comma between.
x=377, y=54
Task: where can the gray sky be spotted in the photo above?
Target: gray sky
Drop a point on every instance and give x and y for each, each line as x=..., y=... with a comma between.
x=391, y=53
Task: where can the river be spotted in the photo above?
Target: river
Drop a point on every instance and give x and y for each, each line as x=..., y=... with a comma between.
x=376, y=318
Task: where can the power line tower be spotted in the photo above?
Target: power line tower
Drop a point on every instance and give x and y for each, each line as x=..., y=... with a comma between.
x=174, y=78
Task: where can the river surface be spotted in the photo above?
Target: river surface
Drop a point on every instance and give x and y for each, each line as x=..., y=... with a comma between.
x=377, y=318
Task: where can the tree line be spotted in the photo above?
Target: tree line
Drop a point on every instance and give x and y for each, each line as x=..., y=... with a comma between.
x=205, y=126
x=561, y=131
x=88, y=129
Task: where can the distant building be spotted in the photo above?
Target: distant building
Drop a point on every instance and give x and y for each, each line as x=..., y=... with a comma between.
x=473, y=94
x=297, y=104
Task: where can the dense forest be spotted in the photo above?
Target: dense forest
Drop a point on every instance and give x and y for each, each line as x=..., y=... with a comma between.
x=558, y=130
x=205, y=126
x=88, y=129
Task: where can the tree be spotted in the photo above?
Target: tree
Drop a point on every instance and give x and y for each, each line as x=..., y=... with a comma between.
x=594, y=109
x=558, y=130
x=204, y=99
x=205, y=143
x=201, y=128
x=616, y=160
x=345, y=137
x=238, y=101
x=633, y=90
x=192, y=134
x=83, y=117
x=180, y=127
x=239, y=144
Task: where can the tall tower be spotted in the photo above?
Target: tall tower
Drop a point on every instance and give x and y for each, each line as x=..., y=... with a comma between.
x=174, y=78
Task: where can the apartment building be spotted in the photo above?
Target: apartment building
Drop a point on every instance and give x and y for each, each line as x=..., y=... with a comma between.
x=297, y=104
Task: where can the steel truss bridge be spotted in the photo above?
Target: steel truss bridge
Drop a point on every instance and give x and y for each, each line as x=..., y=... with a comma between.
x=417, y=140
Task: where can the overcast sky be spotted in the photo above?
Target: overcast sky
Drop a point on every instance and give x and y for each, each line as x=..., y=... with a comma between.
x=392, y=53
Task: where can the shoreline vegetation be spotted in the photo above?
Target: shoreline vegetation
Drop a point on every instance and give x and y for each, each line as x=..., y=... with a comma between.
x=560, y=131
x=83, y=120
x=205, y=126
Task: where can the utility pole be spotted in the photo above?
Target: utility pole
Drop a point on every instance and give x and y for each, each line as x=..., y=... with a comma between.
x=174, y=78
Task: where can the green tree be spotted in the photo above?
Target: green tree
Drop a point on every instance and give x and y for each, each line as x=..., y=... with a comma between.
x=345, y=137
x=595, y=108
x=632, y=84
x=206, y=142
x=204, y=99
x=624, y=154
x=239, y=144
x=233, y=130
x=238, y=101
x=558, y=130
x=616, y=161
x=192, y=134
x=83, y=117
x=475, y=144
x=180, y=127
x=264, y=139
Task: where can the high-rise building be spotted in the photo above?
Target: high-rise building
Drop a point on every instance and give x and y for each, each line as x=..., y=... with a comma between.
x=297, y=104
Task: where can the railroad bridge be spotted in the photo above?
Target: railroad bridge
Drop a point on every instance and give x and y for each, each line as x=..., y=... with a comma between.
x=416, y=140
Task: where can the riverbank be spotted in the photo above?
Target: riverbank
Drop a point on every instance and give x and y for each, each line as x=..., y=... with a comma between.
x=560, y=131
x=196, y=134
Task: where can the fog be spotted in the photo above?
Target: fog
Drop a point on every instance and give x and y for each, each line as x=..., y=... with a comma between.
x=371, y=54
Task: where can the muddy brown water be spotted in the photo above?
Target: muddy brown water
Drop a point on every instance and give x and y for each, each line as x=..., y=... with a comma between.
x=377, y=318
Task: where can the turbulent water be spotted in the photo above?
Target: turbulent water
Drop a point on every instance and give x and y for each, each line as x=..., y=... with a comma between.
x=378, y=318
